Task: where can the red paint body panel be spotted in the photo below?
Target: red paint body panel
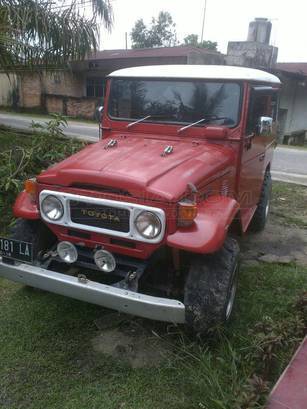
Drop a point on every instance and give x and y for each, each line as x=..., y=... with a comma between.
x=136, y=165
x=290, y=392
x=25, y=208
x=140, y=251
x=208, y=232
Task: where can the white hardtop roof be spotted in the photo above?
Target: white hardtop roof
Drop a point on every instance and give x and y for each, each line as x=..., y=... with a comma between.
x=220, y=72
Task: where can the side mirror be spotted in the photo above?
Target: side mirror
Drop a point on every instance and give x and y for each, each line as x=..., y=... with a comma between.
x=98, y=113
x=265, y=126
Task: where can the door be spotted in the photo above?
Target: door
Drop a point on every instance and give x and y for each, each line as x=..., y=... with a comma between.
x=258, y=146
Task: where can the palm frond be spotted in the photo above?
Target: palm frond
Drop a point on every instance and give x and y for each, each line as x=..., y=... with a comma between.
x=35, y=34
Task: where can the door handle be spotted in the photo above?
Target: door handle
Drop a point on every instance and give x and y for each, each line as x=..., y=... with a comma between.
x=248, y=141
x=261, y=157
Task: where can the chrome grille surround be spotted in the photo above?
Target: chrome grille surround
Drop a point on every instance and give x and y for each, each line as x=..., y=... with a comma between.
x=134, y=209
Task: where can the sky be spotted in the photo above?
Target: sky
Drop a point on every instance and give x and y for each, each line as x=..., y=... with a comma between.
x=226, y=20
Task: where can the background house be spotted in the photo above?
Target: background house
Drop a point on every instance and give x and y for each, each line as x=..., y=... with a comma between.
x=293, y=102
x=76, y=92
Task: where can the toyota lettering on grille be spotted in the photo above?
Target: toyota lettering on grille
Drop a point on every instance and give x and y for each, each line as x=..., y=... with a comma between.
x=106, y=217
x=100, y=215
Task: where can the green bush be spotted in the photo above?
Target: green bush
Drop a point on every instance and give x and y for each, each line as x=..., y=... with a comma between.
x=24, y=156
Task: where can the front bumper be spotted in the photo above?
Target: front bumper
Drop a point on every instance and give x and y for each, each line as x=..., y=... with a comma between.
x=142, y=305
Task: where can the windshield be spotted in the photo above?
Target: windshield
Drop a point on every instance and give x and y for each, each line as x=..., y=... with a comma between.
x=179, y=101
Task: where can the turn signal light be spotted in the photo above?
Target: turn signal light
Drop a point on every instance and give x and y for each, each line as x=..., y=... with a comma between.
x=187, y=211
x=31, y=187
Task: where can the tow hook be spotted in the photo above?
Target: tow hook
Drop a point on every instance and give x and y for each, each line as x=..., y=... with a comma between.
x=131, y=281
x=131, y=276
x=82, y=279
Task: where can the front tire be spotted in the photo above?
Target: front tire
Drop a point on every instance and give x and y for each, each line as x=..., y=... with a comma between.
x=210, y=288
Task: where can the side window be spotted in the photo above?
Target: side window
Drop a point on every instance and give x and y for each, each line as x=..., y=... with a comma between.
x=261, y=104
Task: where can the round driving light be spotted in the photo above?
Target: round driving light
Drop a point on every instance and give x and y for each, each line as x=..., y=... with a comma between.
x=67, y=252
x=148, y=225
x=105, y=261
x=52, y=208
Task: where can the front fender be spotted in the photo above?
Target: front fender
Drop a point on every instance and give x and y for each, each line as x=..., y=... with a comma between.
x=209, y=230
x=25, y=208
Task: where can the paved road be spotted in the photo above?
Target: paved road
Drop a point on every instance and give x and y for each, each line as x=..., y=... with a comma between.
x=80, y=130
x=289, y=165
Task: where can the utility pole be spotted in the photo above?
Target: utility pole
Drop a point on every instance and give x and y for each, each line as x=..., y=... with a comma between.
x=203, y=25
x=126, y=40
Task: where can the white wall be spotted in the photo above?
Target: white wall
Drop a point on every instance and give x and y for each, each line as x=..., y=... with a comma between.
x=294, y=99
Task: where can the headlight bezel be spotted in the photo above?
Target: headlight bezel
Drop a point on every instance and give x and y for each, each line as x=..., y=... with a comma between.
x=154, y=218
x=60, y=209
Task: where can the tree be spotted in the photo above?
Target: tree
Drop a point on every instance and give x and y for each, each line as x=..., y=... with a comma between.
x=40, y=33
x=192, y=40
x=161, y=33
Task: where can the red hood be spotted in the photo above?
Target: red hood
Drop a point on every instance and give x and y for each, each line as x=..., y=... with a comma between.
x=137, y=165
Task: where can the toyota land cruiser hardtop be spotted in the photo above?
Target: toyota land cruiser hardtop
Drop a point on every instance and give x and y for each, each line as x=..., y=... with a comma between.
x=144, y=221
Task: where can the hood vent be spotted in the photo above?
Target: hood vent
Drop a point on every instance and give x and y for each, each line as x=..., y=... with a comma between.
x=168, y=150
x=111, y=144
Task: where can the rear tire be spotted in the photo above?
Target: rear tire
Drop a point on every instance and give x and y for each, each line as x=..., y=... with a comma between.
x=263, y=209
x=210, y=288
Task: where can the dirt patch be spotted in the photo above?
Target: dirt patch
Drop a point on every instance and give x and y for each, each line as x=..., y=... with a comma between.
x=277, y=243
x=130, y=343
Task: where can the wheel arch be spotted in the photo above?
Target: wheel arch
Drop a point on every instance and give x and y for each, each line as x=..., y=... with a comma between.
x=209, y=230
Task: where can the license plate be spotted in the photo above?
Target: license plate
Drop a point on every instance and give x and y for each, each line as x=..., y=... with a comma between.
x=16, y=249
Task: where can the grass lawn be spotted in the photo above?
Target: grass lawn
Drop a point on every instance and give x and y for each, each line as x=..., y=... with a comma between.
x=289, y=204
x=47, y=359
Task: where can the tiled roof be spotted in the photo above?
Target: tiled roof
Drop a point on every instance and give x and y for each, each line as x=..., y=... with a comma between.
x=148, y=52
x=293, y=67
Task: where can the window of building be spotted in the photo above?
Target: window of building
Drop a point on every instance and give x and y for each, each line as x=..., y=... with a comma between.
x=95, y=87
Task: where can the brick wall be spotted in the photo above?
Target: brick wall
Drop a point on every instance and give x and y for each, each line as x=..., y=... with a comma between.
x=8, y=86
x=64, y=83
x=34, y=86
x=54, y=104
x=72, y=106
x=84, y=108
x=59, y=92
x=30, y=91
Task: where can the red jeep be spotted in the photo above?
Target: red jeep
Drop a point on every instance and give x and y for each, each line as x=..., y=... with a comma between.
x=143, y=220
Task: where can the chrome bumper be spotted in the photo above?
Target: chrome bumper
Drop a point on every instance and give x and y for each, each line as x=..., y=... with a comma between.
x=146, y=306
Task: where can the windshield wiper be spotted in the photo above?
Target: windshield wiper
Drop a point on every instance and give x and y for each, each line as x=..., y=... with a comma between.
x=152, y=116
x=138, y=121
x=208, y=118
x=192, y=124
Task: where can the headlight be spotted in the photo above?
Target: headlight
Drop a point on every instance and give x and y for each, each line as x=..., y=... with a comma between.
x=52, y=208
x=148, y=225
